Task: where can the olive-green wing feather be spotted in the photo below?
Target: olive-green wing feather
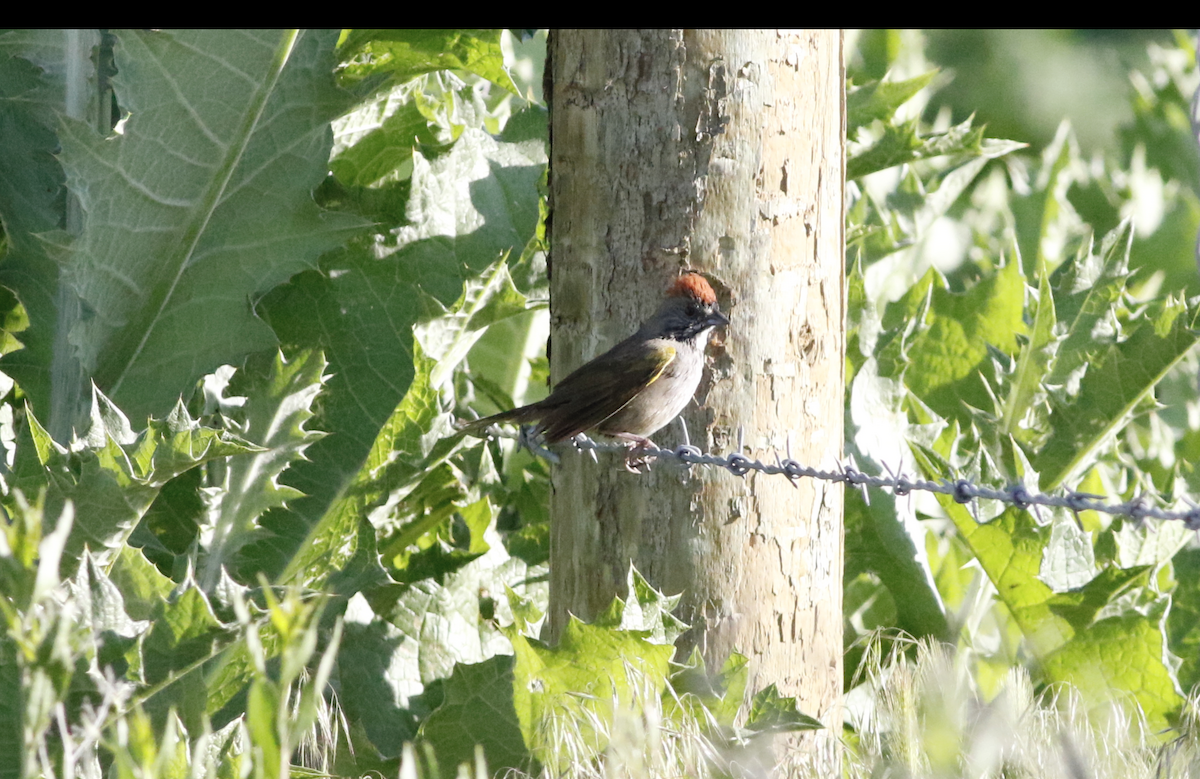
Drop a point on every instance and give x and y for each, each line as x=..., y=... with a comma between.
x=602, y=387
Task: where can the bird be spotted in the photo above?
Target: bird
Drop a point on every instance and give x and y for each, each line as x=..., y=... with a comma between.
x=638, y=386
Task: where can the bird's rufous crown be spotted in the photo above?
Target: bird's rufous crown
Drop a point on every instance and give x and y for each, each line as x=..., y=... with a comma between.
x=693, y=285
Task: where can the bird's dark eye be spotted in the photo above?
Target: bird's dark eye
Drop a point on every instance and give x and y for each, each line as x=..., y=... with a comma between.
x=693, y=310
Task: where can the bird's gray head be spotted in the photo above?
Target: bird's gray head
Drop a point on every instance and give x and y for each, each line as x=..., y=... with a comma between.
x=690, y=310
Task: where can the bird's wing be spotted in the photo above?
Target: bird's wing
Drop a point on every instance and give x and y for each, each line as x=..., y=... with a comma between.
x=603, y=387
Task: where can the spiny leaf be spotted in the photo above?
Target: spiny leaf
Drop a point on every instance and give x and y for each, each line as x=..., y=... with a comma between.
x=112, y=475
x=1086, y=289
x=771, y=712
x=1045, y=218
x=902, y=143
x=947, y=356
x=1010, y=550
x=1034, y=355
x=646, y=611
x=880, y=99
x=280, y=395
x=1116, y=381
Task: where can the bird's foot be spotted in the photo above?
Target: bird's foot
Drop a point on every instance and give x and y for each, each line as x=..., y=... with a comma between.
x=636, y=459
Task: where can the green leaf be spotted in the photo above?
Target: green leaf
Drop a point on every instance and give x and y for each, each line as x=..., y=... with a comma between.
x=1025, y=389
x=884, y=536
x=649, y=611
x=280, y=395
x=324, y=550
x=373, y=145
x=184, y=635
x=378, y=679
x=888, y=541
x=1009, y=549
x=879, y=100
x=1080, y=607
x=102, y=606
x=1149, y=544
x=415, y=636
x=1120, y=658
x=468, y=208
x=771, y=712
x=1067, y=561
x=897, y=145
x=1183, y=620
x=582, y=684
x=719, y=696
x=32, y=194
x=644, y=612
x=113, y=475
x=1045, y=218
x=900, y=144
x=478, y=709
x=1115, y=383
x=444, y=539
x=402, y=54
x=141, y=585
x=945, y=358
x=172, y=524
x=201, y=204
x=1086, y=290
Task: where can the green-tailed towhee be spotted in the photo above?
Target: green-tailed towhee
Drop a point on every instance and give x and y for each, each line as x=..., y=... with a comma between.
x=639, y=385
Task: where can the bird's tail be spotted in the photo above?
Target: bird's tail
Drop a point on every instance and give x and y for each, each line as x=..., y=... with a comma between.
x=521, y=416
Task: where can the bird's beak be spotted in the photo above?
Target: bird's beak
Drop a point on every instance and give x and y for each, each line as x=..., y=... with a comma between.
x=716, y=319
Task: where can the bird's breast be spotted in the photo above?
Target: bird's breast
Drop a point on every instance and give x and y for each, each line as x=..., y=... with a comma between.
x=663, y=399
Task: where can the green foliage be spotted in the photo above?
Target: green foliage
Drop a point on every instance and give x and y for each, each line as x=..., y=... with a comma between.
x=927, y=715
x=146, y=252
x=1034, y=354
x=295, y=255
x=200, y=203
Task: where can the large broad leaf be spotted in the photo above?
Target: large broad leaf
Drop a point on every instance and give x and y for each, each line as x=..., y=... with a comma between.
x=468, y=208
x=415, y=636
x=946, y=356
x=1086, y=636
x=201, y=203
x=478, y=710
x=1123, y=657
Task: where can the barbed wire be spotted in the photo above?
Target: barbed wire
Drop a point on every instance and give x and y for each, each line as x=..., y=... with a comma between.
x=962, y=490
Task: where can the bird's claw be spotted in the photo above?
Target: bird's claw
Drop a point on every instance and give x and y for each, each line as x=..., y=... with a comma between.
x=637, y=459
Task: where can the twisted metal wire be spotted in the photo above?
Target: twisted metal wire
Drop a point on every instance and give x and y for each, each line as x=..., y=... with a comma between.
x=961, y=490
